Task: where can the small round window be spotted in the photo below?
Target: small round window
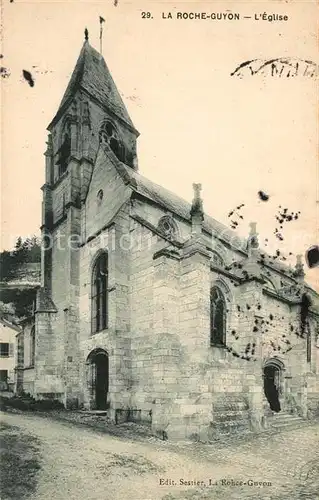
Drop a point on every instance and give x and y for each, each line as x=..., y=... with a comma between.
x=100, y=196
x=168, y=226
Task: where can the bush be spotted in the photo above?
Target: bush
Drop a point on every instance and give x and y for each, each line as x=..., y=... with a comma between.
x=26, y=402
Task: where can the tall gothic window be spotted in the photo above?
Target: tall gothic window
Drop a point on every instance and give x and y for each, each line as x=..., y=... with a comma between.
x=99, y=298
x=32, y=346
x=217, y=317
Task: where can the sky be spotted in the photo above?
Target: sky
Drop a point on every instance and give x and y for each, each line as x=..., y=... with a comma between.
x=198, y=123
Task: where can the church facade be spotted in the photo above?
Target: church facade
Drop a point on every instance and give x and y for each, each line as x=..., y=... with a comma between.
x=148, y=308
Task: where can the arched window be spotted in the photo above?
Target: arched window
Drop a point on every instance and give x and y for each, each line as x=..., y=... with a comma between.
x=32, y=346
x=217, y=317
x=64, y=152
x=99, y=297
x=108, y=135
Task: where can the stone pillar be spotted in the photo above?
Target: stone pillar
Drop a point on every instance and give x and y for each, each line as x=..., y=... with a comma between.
x=72, y=356
x=191, y=409
x=119, y=260
x=251, y=332
x=167, y=350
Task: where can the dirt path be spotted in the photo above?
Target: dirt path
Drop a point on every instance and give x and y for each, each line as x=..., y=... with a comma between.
x=78, y=463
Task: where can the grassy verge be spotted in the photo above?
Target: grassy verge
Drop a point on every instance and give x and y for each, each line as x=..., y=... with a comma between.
x=19, y=463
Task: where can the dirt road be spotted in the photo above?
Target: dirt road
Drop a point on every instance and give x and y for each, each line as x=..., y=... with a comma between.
x=78, y=463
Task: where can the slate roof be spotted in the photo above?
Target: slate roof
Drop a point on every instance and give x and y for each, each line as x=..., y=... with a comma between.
x=177, y=205
x=10, y=323
x=172, y=202
x=92, y=75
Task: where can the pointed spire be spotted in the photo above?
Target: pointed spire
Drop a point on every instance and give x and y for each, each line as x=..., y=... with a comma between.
x=197, y=203
x=251, y=267
x=92, y=76
x=197, y=213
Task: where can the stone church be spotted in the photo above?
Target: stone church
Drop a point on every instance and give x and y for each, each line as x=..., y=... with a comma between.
x=148, y=308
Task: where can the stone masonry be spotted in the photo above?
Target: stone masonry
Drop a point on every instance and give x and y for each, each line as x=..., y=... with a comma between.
x=156, y=360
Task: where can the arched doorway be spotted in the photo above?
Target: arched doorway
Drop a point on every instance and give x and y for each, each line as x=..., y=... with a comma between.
x=98, y=362
x=272, y=375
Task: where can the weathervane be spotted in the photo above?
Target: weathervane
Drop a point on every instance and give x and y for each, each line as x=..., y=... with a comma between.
x=102, y=20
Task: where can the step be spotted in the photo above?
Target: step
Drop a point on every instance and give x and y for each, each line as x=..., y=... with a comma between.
x=284, y=418
x=230, y=426
x=230, y=415
x=293, y=421
x=288, y=426
x=88, y=413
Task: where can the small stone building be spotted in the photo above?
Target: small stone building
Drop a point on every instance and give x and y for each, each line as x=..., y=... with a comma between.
x=149, y=308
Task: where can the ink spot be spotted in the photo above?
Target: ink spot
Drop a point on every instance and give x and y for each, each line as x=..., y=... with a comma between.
x=28, y=77
x=4, y=72
x=263, y=196
x=312, y=256
x=255, y=329
x=271, y=317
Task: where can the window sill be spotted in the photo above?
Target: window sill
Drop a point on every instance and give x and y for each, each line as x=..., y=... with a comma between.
x=100, y=331
x=219, y=346
x=31, y=367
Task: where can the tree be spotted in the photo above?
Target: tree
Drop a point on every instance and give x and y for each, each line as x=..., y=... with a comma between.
x=6, y=309
x=26, y=250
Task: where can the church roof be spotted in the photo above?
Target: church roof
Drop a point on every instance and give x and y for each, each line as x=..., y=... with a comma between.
x=177, y=205
x=92, y=75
